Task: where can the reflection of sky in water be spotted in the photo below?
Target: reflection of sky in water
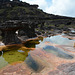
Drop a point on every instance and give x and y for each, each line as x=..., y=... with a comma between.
x=3, y=63
x=59, y=40
x=20, y=55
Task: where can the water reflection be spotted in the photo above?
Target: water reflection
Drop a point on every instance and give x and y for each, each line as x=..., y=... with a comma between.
x=56, y=51
x=15, y=56
x=12, y=56
x=17, y=53
x=32, y=43
x=0, y=53
x=59, y=40
x=3, y=63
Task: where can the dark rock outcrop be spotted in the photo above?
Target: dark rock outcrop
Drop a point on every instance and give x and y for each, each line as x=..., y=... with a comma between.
x=22, y=17
x=9, y=29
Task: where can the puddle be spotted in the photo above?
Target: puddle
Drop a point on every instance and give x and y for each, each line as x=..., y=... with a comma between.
x=34, y=65
x=56, y=51
x=13, y=56
x=16, y=54
x=3, y=63
x=33, y=43
x=59, y=40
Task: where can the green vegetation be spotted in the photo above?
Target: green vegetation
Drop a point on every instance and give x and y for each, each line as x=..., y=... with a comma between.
x=19, y=12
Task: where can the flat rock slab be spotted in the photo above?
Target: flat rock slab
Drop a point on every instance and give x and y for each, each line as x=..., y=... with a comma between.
x=18, y=69
x=64, y=69
x=41, y=62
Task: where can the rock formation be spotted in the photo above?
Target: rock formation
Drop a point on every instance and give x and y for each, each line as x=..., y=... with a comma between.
x=9, y=29
x=17, y=15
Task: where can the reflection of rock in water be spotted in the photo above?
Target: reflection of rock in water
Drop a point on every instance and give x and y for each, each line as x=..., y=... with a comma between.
x=60, y=41
x=57, y=52
x=0, y=53
x=15, y=56
x=37, y=67
x=31, y=43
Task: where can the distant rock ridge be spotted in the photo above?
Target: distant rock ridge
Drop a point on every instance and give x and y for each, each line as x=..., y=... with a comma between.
x=9, y=3
x=21, y=10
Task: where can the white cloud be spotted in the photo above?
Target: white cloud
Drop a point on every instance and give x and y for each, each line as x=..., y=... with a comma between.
x=58, y=7
x=62, y=7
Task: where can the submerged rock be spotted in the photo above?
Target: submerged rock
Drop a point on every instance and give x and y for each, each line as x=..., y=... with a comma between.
x=58, y=52
x=33, y=64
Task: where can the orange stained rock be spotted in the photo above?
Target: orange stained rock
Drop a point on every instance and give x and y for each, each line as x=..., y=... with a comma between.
x=51, y=59
x=15, y=46
x=16, y=63
x=74, y=44
x=70, y=37
x=1, y=47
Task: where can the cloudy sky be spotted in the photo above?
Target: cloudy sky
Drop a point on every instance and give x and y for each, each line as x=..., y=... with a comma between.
x=58, y=7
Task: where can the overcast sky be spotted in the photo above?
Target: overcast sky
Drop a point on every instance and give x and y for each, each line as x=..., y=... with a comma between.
x=58, y=7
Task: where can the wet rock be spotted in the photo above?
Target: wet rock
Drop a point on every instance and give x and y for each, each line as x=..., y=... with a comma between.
x=38, y=32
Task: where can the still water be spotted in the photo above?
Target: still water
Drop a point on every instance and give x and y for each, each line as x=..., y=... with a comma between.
x=19, y=55
x=59, y=40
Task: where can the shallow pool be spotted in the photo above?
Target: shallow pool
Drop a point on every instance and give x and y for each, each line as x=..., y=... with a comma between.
x=16, y=55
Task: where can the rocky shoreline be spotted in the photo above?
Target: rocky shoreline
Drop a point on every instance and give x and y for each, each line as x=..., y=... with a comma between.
x=27, y=41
